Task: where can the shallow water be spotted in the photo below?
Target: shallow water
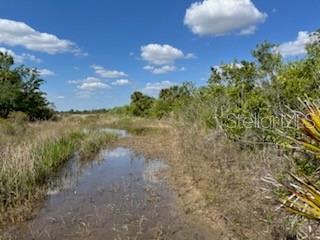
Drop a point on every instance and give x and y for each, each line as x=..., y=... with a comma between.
x=119, y=195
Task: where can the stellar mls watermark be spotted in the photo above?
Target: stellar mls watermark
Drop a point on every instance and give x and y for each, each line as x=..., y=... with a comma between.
x=280, y=121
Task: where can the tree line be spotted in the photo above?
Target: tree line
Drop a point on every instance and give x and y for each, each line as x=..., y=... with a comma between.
x=265, y=87
x=242, y=98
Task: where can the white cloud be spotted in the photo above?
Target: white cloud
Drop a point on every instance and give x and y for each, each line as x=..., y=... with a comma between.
x=153, y=89
x=20, y=58
x=91, y=86
x=13, y=33
x=296, y=47
x=30, y=57
x=160, y=70
x=219, y=68
x=45, y=72
x=190, y=56
x=220, y=17
x=104, y=73
x=161, y=58
x=121, y=82
x=60, y=97
x=158, y=54
x=86, y=80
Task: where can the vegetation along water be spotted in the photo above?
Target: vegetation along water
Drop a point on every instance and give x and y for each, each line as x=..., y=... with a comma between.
x=236, y=158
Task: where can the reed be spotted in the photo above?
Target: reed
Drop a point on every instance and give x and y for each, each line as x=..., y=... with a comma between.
x=31, y=152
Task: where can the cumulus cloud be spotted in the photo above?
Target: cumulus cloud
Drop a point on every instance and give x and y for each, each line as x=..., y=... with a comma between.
x=121, y=82
x=105, y=73
x=45, y=72
x=220, y=17
x=22, y=57
x=158, y=54
x=161, y=58
x=13, y=33
x=296, y=47
x=90, y=84
x=153, y=89
x=160, y=70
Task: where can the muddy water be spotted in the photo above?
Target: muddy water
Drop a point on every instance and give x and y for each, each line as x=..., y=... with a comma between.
x=119, y=195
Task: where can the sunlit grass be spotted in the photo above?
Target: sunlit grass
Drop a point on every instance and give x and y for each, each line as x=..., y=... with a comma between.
x=31, y=155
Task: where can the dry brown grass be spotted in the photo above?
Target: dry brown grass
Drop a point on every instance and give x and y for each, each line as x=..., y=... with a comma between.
x=229, y=179
x=219, y=182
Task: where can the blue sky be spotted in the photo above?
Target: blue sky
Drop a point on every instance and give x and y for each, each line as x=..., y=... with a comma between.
x=94, y=54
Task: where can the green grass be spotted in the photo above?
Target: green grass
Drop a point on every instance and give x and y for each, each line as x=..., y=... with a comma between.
x=50, y=155
x=136, y=126
x=20, y=186
x=93, y=141
x=31, y=154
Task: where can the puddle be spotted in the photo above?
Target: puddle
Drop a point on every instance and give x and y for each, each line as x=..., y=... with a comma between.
x=119, y=132
x=119, y=195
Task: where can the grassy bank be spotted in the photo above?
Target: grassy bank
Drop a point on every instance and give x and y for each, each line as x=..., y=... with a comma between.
x=31, y=152
x=232, y=196
x=218, y=180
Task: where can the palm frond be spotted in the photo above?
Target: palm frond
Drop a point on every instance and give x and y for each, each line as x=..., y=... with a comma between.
x=304, y=199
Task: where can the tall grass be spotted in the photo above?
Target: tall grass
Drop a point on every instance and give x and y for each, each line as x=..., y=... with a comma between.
x=30, y=156
x=228, y=176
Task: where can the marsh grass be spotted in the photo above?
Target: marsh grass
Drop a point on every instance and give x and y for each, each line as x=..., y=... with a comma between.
x=30, y=156
x=94, y=139
x=225, y=186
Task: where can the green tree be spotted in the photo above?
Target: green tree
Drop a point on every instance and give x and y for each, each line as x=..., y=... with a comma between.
x=20, y=90
x=171, y=99
x=10, y=85
x=269, y=61
x=141, y=104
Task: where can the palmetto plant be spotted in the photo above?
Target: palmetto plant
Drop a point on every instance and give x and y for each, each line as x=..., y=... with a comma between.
x=311, y=128
x=304, y=199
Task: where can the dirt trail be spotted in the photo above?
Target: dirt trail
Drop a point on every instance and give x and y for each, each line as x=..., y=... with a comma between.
x=119, y=195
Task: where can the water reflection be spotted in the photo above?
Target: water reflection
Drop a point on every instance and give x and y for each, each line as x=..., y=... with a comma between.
x=118, y=195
